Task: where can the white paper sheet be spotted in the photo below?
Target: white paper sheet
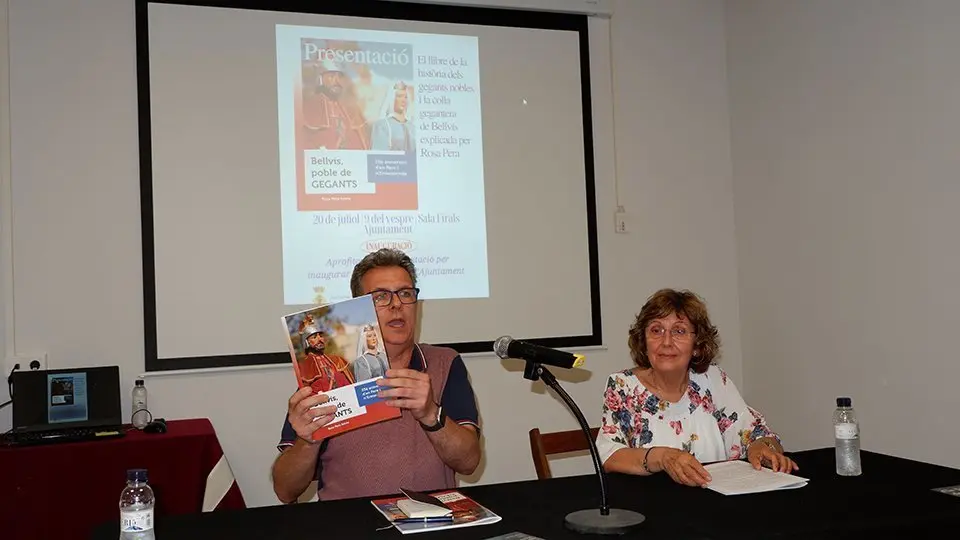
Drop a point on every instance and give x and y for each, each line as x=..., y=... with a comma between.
x=739, y=477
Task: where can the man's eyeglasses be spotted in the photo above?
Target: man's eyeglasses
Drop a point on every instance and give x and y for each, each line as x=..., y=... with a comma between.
x=678, y=333
x=383, y=297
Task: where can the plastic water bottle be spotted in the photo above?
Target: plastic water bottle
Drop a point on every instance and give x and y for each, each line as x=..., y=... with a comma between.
x=139, y=406
x=136, y=507
x=847, y=438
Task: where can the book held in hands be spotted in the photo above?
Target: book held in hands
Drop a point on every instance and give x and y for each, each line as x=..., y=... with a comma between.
x=337, y=350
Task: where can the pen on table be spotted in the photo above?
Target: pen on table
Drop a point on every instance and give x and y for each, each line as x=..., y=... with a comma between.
x=436, y=519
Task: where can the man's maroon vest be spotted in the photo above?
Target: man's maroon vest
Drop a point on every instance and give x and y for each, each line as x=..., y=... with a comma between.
x=381, y=458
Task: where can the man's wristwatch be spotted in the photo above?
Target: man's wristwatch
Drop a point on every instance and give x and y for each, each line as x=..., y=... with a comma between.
x=441, y=417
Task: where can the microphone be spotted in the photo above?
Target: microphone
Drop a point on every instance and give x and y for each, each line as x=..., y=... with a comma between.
x=603, y=520
x=507, y=347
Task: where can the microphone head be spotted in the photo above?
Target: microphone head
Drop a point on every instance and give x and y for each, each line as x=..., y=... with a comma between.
x=501, y=345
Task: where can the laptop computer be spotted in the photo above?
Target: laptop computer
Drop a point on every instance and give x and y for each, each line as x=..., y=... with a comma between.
x=64, y=405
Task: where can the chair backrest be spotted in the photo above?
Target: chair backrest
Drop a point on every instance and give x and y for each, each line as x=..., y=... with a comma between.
x=558, y=442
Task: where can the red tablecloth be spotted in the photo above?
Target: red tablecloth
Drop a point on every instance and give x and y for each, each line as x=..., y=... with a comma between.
x=65, y=490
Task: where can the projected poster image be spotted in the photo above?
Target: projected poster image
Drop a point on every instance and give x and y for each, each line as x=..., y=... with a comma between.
x=380, y=146
x=67, y=398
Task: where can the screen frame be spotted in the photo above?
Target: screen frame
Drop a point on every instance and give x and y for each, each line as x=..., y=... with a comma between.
x=378, y=9
x=96, y=377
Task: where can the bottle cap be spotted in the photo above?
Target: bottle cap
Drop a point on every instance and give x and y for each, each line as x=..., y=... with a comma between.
x=137, y=475
x=844, y=402
x=139, y=382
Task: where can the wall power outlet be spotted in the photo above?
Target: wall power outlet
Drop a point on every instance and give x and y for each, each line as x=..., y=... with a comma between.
x=38, y=361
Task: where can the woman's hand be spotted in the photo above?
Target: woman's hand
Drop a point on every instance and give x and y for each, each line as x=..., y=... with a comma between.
x=683, y=468
x=760, y=454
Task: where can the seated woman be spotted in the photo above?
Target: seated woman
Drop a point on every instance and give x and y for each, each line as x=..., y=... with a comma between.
x=677, y=409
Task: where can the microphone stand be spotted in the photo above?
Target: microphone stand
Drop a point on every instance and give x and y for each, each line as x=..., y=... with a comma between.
x=603, y=520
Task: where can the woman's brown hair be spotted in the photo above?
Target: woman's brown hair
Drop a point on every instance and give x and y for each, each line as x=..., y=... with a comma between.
x=686, y=304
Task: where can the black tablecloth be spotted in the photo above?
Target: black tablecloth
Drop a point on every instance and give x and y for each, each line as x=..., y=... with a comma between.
x=892, y=499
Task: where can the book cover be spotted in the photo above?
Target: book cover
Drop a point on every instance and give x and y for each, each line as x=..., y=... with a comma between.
x=354, y=135
x=337, y=349
x=466, y=513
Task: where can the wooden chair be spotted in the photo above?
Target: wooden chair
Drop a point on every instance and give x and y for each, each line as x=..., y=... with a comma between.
x=559, y=442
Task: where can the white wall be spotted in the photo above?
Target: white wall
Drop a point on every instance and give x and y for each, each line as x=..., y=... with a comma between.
x=76, y=230
x=6, y=279
x=845, y=123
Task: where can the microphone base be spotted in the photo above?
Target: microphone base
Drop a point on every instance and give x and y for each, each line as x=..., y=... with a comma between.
x=591, y=521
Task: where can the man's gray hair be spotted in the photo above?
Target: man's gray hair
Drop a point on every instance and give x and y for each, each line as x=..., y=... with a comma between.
x=380, y=258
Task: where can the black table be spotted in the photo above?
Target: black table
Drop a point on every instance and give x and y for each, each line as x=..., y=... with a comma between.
x=892, y=499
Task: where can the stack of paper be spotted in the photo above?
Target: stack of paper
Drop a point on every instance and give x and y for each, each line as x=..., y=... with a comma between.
x=739, y=477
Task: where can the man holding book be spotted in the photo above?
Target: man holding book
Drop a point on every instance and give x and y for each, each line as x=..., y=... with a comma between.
x=437, y=434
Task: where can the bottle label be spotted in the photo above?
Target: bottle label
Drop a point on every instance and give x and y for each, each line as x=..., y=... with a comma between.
x=846, y=431
x=139, y=520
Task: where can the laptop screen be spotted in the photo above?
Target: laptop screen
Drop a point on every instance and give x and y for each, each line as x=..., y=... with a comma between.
x=66, y=398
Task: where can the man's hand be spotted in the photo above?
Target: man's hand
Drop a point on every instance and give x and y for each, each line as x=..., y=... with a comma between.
x=761, y=454
x=684, y=468
x=306, y=414
x=410, y=389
